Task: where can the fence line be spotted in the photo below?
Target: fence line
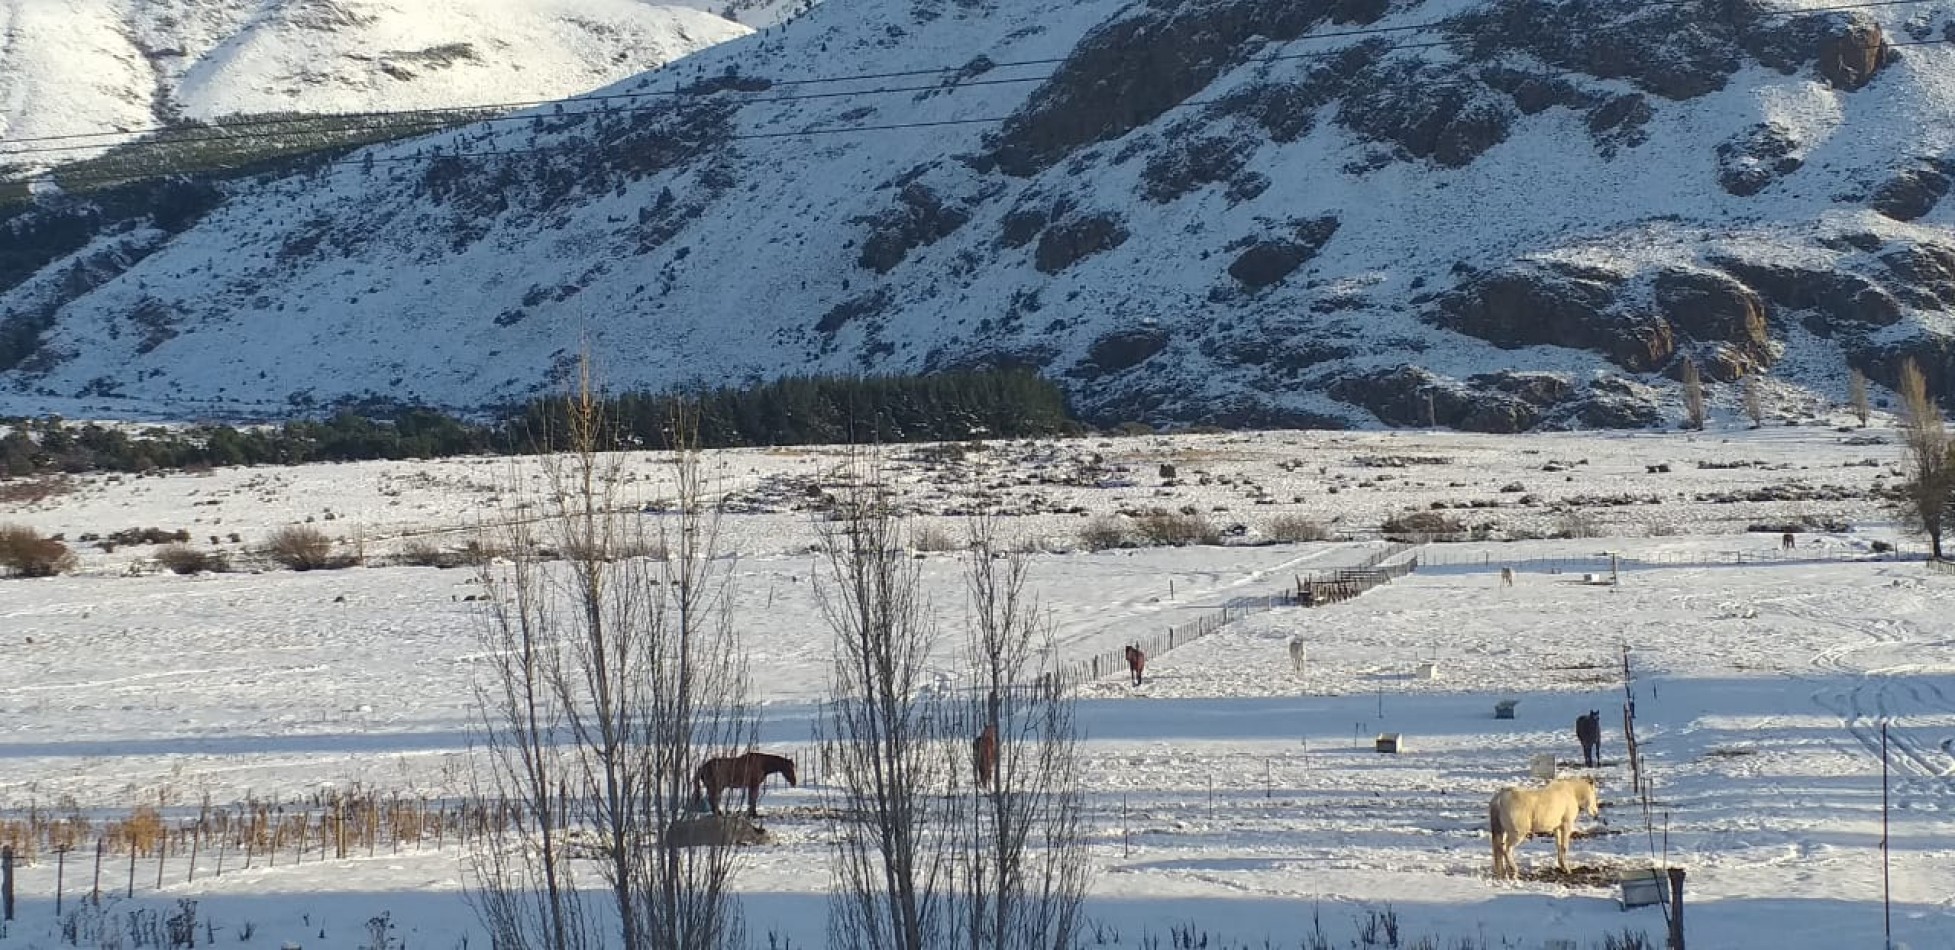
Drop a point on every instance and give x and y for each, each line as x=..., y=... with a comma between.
x=1941, y=565
x=1311, y=590
x=1434, y=557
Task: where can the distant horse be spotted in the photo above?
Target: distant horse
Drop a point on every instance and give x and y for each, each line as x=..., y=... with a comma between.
x=1516, y=813
x=1297, y=656
x=1136, y=663
x=746, y=771
x=984, y=752
x=1506, y=577
x=1588, y=731
x=1787, y=542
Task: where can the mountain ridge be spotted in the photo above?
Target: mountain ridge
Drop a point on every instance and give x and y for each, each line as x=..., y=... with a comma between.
x=1490, y=214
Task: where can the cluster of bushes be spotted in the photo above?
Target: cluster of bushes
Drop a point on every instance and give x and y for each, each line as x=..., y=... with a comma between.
x=25, y=553
x=797, y=411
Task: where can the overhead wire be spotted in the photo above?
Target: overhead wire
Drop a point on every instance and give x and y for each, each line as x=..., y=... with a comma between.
x=467, y=116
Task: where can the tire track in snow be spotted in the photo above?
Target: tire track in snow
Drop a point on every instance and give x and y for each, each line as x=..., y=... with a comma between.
x=1872, y=695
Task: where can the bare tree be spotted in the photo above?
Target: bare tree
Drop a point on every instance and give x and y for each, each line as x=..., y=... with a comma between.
x=885, y=732
x=1931, y=484
x=1693, y=395
x=1025, y=862
x=639, y=671
x=1856, y=395
x=1754, y=402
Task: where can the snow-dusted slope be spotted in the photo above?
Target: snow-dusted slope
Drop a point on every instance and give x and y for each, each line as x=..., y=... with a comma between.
x=85, y=66
x=1231, y=210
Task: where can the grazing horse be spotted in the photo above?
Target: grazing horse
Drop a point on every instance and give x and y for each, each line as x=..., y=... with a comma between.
x=1136, y=662
x=1787, y=542
x=1506, y=577
x=747, y=771
x=1516, y=813
x=1588, y=731
x=984, y=753
x=1297, y=655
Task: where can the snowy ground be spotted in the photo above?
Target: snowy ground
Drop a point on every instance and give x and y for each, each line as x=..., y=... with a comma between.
x=1227, y=791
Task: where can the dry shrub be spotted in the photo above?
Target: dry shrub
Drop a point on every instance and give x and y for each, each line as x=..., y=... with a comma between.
x=1168, y=529
x=141, y=832
x=301, y=548
x=1285, y=529
x=24, y=553
x=27, y=491
x=932, y=538
x=184, y=559
x=419, y=552
x=1422, y=526
x=1105, y=532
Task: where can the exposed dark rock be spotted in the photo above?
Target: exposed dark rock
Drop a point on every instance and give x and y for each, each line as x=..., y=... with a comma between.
x=1267, y=262
x=1677, y=51
x=1617, y=412
x=1020, y=226
x=1932, y=351
x=1534, y=92
x=1412, y=107
x=1152, y=57
x=1068, y=242
x=1620, y=123
x=1848, y=45
x=1556, y=304
x=1247, y=187
x=1123, y=349
x=1753, y=159
x=1924, y=274
x=1913, y=192
x=1710, y=307
x=920, y=218
x=1191, y=161
x=1412, y=396
x=1836, y=297
x=867, y=305
x=1540, y=389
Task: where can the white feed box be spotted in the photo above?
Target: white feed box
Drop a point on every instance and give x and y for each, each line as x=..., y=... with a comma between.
x=1642, y=887
x=1427, y=671
x=1390, y=742
x=1542, y=766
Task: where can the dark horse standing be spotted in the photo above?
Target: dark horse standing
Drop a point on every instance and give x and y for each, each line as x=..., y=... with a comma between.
x=1588, y=729
x=747, y=771
x=1136, y=663
x=984, y=752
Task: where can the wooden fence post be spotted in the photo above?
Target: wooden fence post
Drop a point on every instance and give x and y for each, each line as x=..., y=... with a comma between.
x=1676, y=909
x=95, y=891
x=7, y=883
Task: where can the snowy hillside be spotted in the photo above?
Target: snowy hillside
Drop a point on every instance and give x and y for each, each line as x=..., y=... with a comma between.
x=91, y=66
x=1490, y=214
x=1230, y=794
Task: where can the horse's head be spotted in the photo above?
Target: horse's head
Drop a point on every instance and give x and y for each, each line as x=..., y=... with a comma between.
x=1589, y=796
x=787, y=771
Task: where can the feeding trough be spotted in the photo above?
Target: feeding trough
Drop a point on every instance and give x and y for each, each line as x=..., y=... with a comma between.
x=1642, y=887
x=1542, y=766
x=1389, y=742
x=1504, y=709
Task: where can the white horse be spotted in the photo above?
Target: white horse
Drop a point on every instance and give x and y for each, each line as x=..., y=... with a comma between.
x=1516, y=813
x=1297, y=656
x=1506, y=577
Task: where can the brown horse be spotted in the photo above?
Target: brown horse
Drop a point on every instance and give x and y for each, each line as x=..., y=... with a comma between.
x=1136, y=662
x=984, y=751
x=747, y=771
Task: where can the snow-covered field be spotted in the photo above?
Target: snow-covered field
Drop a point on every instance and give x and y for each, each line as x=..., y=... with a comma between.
x=1227, y=792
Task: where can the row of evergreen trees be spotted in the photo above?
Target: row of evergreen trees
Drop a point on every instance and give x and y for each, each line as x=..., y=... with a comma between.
x=794, y=411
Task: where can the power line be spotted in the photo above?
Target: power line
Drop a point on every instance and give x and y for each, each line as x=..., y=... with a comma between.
x=947, y=87
x=466, y=112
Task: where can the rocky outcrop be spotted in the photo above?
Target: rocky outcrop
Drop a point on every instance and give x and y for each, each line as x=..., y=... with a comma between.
x=1847, y=46
x=1750, y=161
x=1709, y=307
x=1128, y=72
x=1835, y=299
x=1495, y=402
x=1191, y=161
x=1922, y=274
x=1268, y=261
x=1122, y=349
x=1913, y=191
x=1071, y=241
x=1677, y=51
x=1558, y=304
x=920, y=218
x=1425, y=115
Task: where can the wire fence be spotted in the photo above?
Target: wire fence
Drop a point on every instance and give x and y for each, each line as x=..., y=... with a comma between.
x=1941, y=566
x=1311, y=590
x=1490, y=561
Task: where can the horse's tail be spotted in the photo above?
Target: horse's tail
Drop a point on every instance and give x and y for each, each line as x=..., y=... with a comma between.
x=1493, y=830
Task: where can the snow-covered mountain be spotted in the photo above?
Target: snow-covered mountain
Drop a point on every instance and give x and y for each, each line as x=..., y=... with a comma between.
x=1499, y=213
x=88, y=66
